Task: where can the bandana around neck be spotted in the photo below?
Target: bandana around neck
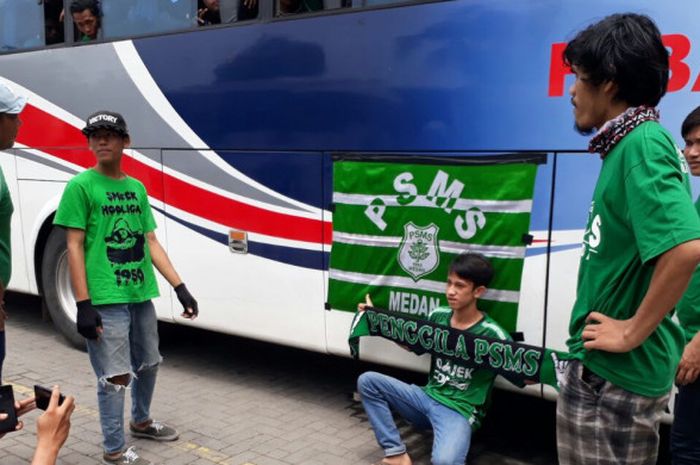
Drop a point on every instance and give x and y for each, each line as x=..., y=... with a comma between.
x=614, y=130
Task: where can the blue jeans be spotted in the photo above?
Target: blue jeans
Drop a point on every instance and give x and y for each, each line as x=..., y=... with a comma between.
x=685, y=433
x=128, y=346
x=451, y=430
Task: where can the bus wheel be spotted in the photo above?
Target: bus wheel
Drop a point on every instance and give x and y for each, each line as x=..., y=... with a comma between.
x=57, y=291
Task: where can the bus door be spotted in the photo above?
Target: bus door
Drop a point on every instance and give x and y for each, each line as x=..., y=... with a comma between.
x=245, y=231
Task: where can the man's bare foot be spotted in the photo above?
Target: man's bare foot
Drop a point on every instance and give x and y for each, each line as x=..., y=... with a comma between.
x=402, y=459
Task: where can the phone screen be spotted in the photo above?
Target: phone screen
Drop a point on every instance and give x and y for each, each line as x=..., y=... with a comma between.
x=43, y=396
x=7, y=406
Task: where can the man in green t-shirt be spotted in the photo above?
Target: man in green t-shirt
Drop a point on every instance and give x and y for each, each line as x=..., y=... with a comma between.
x=10, y=107
x=640, y=247
x=454, y=401
x=112, y=249
x=685, y=434
x=87, y=19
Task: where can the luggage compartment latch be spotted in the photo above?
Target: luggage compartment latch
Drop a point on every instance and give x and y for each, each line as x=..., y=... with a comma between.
x=237, y=241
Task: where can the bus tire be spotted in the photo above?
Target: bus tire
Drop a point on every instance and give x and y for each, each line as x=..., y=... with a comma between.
x=57, y=290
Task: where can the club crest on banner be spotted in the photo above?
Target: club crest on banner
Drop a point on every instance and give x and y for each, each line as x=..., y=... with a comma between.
x=419, y=253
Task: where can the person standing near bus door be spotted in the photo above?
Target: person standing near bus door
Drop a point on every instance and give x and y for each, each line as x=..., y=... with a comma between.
x=112, y=248
x=11, y=106
x=685, y=432
x=640, y=248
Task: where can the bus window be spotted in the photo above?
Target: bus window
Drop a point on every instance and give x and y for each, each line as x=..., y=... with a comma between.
x=123, y=18
x=53, y=22
x=371, y=3
x=21, y=24
x=295, y=7
x=225, y=11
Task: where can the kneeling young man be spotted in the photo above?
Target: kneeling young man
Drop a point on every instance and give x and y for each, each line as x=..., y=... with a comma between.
x=112, y=248
x=453, y=403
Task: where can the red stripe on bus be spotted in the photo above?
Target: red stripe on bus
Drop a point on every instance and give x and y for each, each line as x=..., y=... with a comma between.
x=50, y=134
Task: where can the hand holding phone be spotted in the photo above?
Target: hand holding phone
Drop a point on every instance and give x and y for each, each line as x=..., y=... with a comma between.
x=53, y=426
x=7, y=409
x=43, y=396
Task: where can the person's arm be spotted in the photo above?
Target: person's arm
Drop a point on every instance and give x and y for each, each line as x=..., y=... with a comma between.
x=75, y=240
x=161, y=261
x=52, y=429
x=89, y=322
x=362, y=306
x=689, y=367
x=165, y=267
x=670, y=278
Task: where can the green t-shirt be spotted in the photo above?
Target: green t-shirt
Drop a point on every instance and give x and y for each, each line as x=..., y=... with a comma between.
x=6, y=210
x=641, y=208
x=116, y=216
x=466, y=390
x=688, y=309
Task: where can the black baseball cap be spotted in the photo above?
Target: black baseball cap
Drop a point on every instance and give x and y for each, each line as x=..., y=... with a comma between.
x=105, y=120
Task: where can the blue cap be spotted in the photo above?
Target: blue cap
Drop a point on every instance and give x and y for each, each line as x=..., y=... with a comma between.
x=9, y=102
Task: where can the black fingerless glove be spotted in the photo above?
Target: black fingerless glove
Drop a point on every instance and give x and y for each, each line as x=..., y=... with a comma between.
x=188, y=302
x=88, y=319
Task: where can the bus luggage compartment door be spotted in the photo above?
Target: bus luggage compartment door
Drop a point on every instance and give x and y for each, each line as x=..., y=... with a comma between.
x=245, y=232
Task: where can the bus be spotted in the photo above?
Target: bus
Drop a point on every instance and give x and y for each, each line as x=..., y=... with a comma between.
x=236, y=126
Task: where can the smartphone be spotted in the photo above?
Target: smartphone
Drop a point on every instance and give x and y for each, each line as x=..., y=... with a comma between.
x=7, y=405
x=43, y=396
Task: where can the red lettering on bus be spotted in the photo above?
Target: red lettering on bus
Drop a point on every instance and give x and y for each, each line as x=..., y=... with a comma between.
x=678, y=44
x=558, y=70
x=696, y=86
x=680, y=71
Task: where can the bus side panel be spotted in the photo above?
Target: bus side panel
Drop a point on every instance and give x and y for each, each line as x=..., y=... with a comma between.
x=575, y=180
x=273, y=292
x=532, y=288
x=40, y=183
x=20, y=279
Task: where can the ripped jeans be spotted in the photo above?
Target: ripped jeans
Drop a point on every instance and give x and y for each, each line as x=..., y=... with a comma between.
x=128, y=345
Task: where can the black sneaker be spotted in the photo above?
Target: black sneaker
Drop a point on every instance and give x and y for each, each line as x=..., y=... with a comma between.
x=128, y=457
x=156, y=430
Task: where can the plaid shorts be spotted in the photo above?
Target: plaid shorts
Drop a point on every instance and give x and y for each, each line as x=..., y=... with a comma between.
x=599, y=423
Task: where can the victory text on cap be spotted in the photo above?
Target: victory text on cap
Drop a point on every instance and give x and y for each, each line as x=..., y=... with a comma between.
x=109, y=118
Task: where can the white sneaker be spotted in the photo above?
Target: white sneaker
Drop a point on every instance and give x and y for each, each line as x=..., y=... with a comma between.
x=128, y=457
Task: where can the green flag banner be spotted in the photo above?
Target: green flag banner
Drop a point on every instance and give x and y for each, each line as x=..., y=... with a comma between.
x=518, y=363
x=397, y=226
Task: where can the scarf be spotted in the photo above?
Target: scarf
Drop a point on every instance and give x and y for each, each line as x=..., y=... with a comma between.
x=614, y=130
x=514, y=361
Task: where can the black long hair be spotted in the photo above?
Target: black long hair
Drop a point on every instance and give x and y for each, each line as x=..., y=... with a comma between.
x=625, y=49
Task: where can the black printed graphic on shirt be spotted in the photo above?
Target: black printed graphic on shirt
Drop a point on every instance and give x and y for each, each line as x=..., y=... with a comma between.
x=125, y=244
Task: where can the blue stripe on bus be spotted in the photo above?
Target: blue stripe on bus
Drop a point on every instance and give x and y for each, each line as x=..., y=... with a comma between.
x=312, y=259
